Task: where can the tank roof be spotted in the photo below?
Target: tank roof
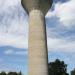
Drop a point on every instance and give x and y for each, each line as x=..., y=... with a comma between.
x=42, y=5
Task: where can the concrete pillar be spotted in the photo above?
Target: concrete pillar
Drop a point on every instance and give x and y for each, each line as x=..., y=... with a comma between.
x=37, y=43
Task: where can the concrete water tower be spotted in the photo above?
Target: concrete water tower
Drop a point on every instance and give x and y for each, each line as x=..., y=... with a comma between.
x=37, y=43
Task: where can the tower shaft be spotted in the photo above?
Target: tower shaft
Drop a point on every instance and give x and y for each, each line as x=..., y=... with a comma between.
x=38, y=61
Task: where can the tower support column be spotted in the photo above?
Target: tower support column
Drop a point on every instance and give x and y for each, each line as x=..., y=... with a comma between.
x=38, y=57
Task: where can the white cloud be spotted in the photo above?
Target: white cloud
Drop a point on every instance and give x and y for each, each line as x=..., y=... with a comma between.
x=61, y=45
x=9, y=51
x=6, y=3
x=18, y=41
x=15, y=35
x=13, y=24
x=65, y=12
x=15, y=52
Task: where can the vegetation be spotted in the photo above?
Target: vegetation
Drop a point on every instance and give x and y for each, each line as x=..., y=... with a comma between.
x=73, y=72
x=55, y=68
x=59, y=68
x=10, y=73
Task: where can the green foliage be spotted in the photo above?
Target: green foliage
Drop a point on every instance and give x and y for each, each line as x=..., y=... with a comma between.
x=2, y=73
x=20, y=73
x=10, y=73
x=57, y=68
x=73, y=72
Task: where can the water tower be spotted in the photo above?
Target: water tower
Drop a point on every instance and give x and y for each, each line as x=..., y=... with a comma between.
x=37, y=42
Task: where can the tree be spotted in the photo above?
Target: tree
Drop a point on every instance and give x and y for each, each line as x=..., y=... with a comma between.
x=57, y=68
x=3, y=73
x=20, y=73
x=73, y=72
x=12, y=73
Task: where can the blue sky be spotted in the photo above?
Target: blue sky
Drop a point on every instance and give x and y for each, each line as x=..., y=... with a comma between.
x=60, y=23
